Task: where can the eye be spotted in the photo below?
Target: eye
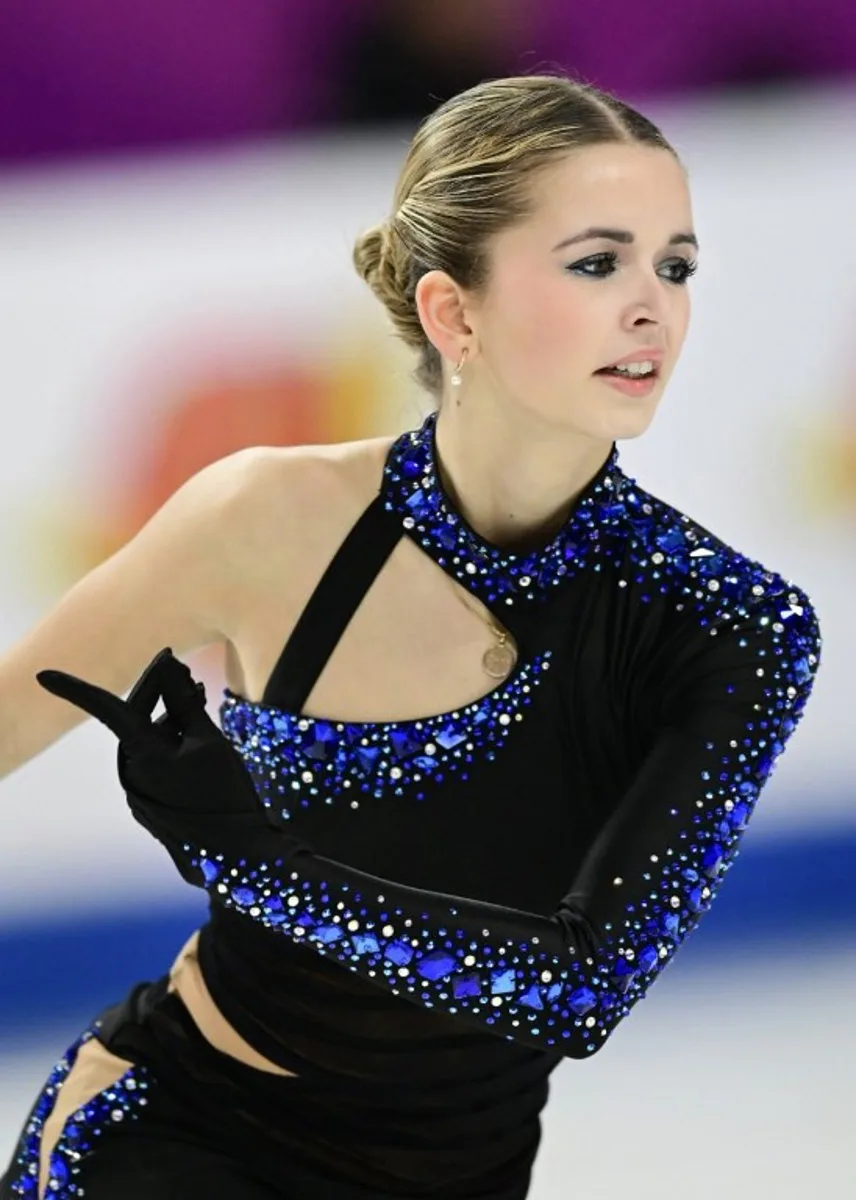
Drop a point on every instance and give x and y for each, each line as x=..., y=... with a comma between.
x=685, y=268
x=607, y=260
x=599, y=266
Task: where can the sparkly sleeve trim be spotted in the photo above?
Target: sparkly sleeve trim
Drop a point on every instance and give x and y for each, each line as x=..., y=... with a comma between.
x=566, y=981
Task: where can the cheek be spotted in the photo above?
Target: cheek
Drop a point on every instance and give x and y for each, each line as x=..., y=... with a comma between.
x=544, y=325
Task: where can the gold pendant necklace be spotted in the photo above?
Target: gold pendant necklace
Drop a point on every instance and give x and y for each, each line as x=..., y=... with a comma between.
x=498, y=660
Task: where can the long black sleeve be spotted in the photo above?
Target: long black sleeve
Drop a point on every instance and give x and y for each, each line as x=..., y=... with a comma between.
x=732, y=699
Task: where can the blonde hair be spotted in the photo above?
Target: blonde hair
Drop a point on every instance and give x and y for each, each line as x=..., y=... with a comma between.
x=467, y=175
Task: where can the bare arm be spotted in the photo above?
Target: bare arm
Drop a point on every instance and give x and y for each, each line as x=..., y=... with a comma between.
x=176, y=583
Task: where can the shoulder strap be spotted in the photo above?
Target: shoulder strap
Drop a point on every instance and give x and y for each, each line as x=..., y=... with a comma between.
x=336, y=598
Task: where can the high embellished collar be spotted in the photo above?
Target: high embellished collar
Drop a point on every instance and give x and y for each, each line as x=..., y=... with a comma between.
x=412, y=489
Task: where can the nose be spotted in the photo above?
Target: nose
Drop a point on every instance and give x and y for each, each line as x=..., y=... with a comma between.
x=649, y=305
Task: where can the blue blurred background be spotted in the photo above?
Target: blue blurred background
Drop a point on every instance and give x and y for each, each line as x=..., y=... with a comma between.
x=180, y=186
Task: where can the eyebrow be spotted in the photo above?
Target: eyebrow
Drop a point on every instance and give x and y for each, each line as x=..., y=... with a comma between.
x=621, y=235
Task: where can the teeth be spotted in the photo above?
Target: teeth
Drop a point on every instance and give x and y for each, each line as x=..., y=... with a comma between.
x=636, y=368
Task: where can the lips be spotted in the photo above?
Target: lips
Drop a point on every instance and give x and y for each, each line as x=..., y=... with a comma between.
x=612, y=371
x=652, y=354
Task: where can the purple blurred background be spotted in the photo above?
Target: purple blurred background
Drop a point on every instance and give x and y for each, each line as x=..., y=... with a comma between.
x=91, y=77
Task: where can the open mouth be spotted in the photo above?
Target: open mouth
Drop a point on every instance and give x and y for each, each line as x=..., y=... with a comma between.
x=647, y=370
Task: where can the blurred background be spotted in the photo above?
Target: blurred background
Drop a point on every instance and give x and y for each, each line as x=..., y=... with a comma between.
x=181, y=183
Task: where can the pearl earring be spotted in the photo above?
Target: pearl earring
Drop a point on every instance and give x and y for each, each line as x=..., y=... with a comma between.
x=456, y=378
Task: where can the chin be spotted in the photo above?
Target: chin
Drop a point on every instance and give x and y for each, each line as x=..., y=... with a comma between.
x=631, y=424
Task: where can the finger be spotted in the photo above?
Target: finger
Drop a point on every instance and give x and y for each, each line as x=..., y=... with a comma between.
x=111, y=710
x=183, y=697
x=146, y=692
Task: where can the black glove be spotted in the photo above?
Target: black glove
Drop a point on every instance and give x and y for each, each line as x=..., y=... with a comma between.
x=185, y=783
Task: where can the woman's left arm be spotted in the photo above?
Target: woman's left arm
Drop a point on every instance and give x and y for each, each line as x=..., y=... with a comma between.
x=566, y=981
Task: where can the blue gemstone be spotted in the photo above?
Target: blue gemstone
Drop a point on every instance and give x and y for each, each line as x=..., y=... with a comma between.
x=403, y=744
x=502, y=982
x=418, y=504
x=695, y=900
x=328, y=933
x=365, y=943
x=447, y=537
x=450, y=736
x=210, y=871
x=466, y=985
x=426, y=763
x=707, y=564
x=436, y=965
x=399, y=953
x=367, y=757
x=671, y=924
x=739, y=816
x=623, y=975
x=802, y=670
x=58, y=1169
x=275, y=917
x=532, y=997
x=648, y=958
x=671, y=541
x=554, y=991
x=243, y=895
x=613, y=511
x=711, y=859
x=582, y=1001
x=324, y=742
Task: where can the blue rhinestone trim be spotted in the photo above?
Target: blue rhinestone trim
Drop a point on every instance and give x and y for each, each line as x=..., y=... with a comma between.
x=123, y=1100
x=412, y=489
x=296, y=761
x=510, y=980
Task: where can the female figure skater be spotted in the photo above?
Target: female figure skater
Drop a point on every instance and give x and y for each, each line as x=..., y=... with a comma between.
x=458, y=826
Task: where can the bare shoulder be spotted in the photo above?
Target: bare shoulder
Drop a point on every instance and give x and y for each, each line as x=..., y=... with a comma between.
x=286, y=508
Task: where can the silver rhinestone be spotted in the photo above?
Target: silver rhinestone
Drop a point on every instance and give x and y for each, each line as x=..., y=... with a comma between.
x=618, y=880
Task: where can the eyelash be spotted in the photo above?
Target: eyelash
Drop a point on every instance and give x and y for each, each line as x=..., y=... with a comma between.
x=610, y=258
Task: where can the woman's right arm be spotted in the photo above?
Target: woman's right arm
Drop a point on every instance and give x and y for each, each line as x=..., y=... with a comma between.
x=176, y=583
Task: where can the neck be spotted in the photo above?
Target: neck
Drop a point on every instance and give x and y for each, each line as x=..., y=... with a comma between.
x=513, y=479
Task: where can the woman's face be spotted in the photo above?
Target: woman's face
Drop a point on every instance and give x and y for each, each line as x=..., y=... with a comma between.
x=553, y=315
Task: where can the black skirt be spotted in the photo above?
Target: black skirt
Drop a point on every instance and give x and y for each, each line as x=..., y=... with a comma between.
x=187, y=1119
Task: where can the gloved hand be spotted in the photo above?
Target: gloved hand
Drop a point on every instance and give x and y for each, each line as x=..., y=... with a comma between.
x=185, y=783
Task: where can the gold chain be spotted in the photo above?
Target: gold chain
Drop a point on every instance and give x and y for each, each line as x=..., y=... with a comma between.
x=498, y=660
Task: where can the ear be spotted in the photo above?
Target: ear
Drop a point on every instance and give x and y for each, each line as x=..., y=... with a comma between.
x=444, y=309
